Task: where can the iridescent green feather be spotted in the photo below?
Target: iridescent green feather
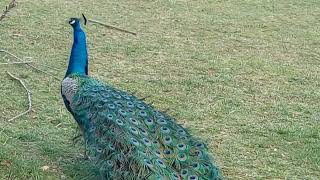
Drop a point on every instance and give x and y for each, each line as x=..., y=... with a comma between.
x=128, y=139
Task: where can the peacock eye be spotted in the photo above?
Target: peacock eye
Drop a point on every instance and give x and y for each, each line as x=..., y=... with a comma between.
x=72, y=21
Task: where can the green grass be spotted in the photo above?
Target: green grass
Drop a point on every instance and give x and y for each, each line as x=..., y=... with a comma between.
x=241, y=75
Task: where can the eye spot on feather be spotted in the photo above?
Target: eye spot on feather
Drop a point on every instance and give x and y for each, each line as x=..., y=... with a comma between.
x=140, y=106
x=106, y=95
x=193, y=177
x=198, y=153
x=93, y=94
x=126, y=97
x=146, y=142
x=94, y=89
x=182, y=157
x=148, y=121
x=110, y=116
x=144, y=132
x=195, y=165
x=182, y=132
x=111, y=106
x=183, y=138
x=122, y=112
x=105, y=100
x=99, y=106
x=116, y=95
x=118, y=103
x=99, y=150
x=161, y=163
x=158, y=153
x=161, y=121
x=181, y=146
x=184, y=173
x=133, y=121
x=200, y=145
x=119, y=122
x=135, y=142
x=165, y=130
x=167, y=152
x=134, y=130
x=130, y=104
x=143, y=113
x=167, y=140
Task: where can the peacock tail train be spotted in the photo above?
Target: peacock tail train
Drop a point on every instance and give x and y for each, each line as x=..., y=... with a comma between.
x=125, y=137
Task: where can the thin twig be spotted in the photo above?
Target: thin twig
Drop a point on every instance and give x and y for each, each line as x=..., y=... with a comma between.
x=11, y=5
x=111, y=27
x=1, y=50
x=49, y=67
x=44, y=65
x=29, y=97
x=9, y=63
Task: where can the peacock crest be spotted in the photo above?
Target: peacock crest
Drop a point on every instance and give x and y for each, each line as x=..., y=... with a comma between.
x=125, y=137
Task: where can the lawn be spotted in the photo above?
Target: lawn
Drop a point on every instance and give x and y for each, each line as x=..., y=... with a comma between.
x=244, y=76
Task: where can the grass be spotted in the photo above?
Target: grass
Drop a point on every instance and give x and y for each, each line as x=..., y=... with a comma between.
x=241, y=75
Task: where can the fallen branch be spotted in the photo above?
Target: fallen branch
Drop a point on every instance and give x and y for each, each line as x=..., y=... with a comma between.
x=11, y=5
x=111, y=27
x=1, y=50
x=29, y=97
x=10, y=63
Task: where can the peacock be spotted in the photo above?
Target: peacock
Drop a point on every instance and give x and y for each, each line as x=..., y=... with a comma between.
x=126, y=138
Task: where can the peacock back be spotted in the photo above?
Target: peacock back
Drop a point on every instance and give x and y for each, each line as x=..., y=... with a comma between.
x=128, y=139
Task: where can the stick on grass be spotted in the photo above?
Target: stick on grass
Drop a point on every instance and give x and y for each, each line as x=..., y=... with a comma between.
x=10, y=63
x=111, y=27
x=11, y=5
x=11, y=54
x=29, y=97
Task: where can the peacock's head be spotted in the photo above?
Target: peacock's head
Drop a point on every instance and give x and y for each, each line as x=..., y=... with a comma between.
x=75, y=22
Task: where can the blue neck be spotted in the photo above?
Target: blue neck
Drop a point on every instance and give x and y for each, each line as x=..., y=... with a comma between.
x=78, y=62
